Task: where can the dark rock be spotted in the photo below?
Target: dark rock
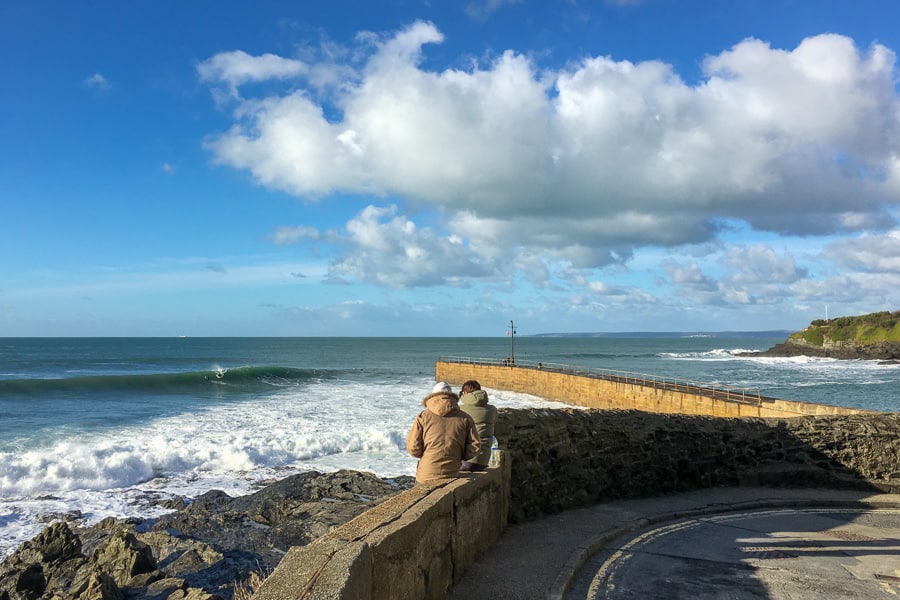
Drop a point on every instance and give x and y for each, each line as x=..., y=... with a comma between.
x=883, y=351
x=123, y=557
x=56, y=543
x=161, y=589
x=30, y=582
x=47, y=562
x=290, y=512
x=101, y=586
x=176, y=503
x=197, y=552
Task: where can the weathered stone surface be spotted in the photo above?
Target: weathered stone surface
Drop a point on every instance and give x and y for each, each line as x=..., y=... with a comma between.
x=568, y=458
x=195, y=553
x=123, y=557
x=262, y=526
x=40, y=567
x=101, y=586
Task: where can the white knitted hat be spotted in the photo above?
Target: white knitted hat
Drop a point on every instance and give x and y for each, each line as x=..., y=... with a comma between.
x=441, y=386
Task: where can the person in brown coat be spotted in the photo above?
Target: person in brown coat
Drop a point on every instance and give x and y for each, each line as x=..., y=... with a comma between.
x=442, y=436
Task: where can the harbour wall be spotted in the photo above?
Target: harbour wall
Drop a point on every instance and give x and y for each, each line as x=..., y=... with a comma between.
x=627, y=391
x=418, y=543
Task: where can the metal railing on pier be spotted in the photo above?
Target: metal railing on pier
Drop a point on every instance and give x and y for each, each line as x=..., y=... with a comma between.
x=742, y=395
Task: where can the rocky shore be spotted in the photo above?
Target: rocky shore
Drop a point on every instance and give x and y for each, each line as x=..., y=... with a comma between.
x=203, y=550
x=886, y=352
x=875, y=336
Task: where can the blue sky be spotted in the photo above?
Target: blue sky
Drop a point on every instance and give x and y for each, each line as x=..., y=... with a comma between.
x=217, y=168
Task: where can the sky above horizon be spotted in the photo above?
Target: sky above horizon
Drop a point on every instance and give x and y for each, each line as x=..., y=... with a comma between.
x=438, y=168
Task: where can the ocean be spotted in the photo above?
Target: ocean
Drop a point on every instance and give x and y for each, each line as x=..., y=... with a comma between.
x=98, y=427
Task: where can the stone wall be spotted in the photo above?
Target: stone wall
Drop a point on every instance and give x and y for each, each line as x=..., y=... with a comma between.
x=561, y=459
x=414, y=546
x=593, y=392
x=417, y=544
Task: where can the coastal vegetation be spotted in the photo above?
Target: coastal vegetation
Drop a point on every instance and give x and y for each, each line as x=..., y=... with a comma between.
x=858, y=330
x=875, y=336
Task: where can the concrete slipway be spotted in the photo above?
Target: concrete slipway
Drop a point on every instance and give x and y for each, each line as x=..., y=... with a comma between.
x=735, y=543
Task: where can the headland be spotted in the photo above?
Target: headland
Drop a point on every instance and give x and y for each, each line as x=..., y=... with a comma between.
x=875, y=336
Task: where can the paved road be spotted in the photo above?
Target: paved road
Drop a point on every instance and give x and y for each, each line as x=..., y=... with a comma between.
x=716, y=543
x=789, y=554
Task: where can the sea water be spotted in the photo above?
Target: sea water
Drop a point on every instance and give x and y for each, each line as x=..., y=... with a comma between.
x=98, y=427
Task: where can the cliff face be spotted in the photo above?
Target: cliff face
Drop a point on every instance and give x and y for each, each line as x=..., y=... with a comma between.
x=841, y=349
x=875, y=336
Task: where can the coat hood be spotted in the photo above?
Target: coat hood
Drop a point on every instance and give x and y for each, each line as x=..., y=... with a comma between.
x=441, y=403
x=476, y=398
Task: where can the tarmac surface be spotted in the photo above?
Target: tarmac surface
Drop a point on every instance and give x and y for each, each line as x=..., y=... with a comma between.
x=735, y=543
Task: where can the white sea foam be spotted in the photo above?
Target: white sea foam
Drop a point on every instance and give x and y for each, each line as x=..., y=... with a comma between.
x=838, y=367
x=714, y=354
x=323, y=426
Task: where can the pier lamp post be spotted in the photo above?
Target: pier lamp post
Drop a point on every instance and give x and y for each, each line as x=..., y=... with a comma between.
x=512, y=343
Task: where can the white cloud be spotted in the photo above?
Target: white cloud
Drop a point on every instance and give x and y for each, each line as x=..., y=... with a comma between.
x=284, y=236
x=690, y=276
x=97, y=82
x=758, y=265
x=535, y=172
x=387, y=249
x=753, y=274
x=237, y=68
x=868, y=253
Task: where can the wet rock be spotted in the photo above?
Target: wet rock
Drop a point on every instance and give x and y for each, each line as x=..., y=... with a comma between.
x=197, y=552
x=123, y=557
x=889, y=352
x=291, y=512
x=48, y=562
x=55, y=543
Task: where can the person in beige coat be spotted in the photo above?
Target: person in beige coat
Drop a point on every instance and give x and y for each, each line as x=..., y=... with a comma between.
x=442, y=436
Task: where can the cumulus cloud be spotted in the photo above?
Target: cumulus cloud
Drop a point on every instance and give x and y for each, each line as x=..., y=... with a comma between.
x=868, y=253
x=759, y=265
x=747, y=274
x=690, y=276
x=388, y=249
x=582, y=165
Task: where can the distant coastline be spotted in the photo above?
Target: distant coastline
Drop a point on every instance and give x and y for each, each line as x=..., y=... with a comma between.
x=667, y=334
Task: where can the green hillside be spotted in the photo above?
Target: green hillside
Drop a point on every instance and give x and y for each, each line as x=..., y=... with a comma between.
x=864, y=329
